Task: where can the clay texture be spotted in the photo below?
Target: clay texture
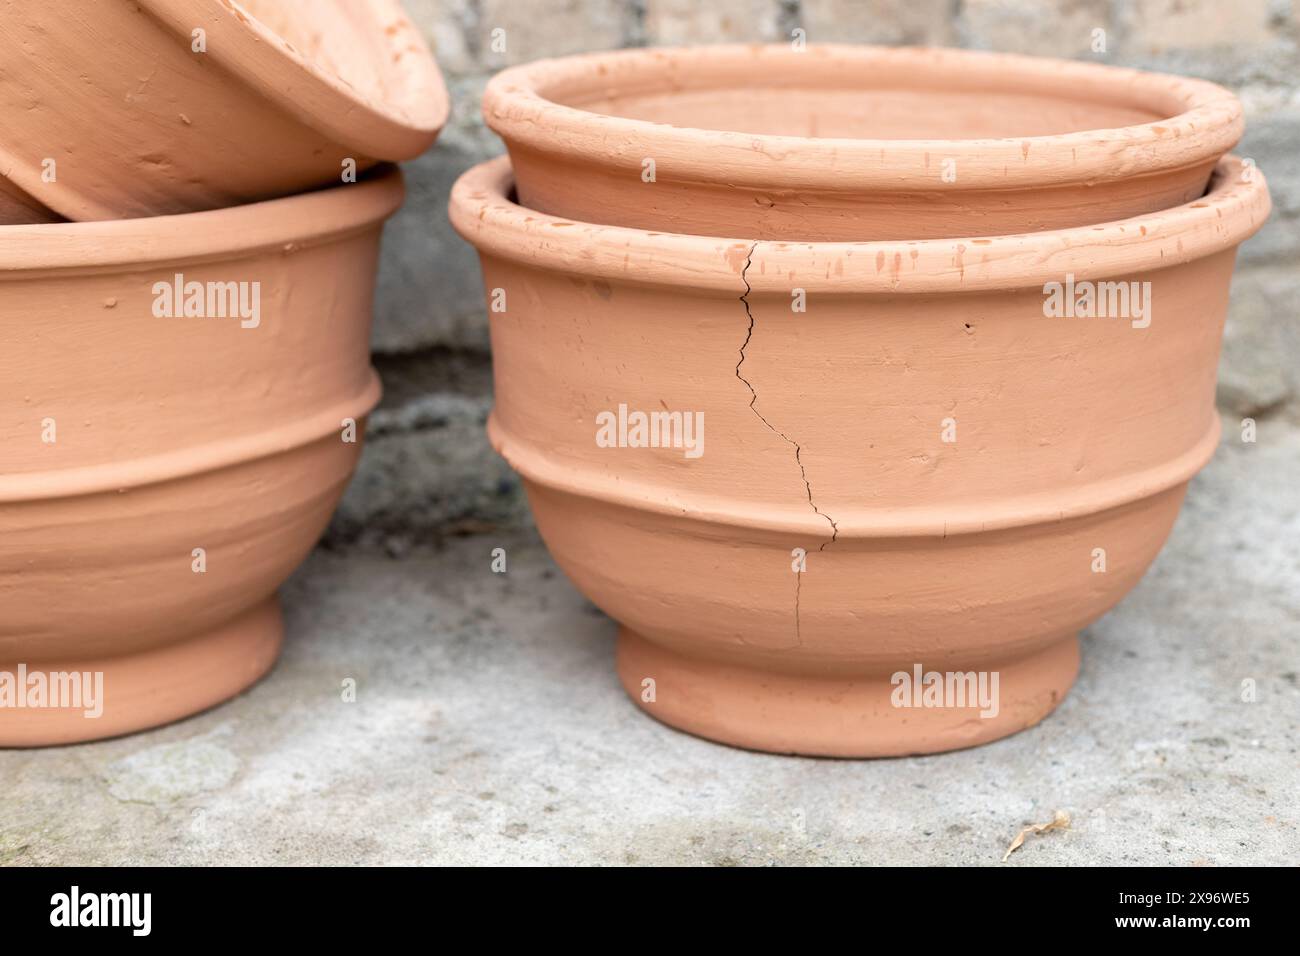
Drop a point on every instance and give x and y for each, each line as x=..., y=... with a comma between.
x=945, y=458
x=166, y=462
x=848, y=143
x=112, y=110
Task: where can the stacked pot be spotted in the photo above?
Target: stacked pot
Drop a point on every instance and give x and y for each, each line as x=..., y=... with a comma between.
x=949, y=321
x=185, y=365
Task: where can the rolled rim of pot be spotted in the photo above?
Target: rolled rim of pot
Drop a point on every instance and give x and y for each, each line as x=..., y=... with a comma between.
x=274, y=228
x=547, y=106
x=381, y=92
x=483, y=211
x=289, y=223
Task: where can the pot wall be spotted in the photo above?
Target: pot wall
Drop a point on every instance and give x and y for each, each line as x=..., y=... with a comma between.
x=1050, y=413
x=616, y=196
x=1072, y=434
x=123, y=385
x=80, y=342
x=865, y=607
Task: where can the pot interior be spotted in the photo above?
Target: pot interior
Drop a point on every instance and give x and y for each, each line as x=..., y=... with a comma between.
x=863, y=96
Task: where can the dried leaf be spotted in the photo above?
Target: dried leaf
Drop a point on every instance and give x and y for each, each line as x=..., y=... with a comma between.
x=1060, y=821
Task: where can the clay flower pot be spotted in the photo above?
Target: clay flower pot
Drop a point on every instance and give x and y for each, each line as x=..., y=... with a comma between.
x=853, y=143
x=112, y=110
x=874, y=461
x=176, y=434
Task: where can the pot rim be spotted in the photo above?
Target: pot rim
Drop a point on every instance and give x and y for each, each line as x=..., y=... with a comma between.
x=482, y=211
x=261, y=58
x=517, y=107
x=290, y=223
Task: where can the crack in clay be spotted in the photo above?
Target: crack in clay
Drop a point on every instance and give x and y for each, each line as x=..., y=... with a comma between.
x=798, y=451
x=753, y=401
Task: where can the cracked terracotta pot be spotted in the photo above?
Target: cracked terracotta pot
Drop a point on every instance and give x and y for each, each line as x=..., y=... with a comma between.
x=828, y=430
x=846, y=143
x=110, y=113
x=161, y=476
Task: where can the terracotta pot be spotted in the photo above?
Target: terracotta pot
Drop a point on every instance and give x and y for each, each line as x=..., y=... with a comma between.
x=854, y=143
x=828, y=430
x=162, y=476
x=136, y=123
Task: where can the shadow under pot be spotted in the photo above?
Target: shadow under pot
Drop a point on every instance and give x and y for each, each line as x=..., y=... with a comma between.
x=855, y=499
x=853, y=143
x=123, y=110
x=187, y=398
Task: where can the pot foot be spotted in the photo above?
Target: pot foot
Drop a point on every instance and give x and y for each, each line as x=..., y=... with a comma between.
x=145, y=689
x=840, y=717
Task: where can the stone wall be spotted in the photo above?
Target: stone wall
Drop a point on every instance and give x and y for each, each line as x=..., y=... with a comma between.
x=428, y=469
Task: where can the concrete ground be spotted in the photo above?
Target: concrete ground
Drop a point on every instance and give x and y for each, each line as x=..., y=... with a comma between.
x=488, y=728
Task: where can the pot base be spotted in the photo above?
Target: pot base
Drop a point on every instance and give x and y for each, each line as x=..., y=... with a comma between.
x=834, y=717
x=153, y=687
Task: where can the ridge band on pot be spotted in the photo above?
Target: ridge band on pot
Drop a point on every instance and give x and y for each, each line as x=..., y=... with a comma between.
x=192, y=460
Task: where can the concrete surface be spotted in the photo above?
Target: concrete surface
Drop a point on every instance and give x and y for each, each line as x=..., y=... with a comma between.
x=488, y=728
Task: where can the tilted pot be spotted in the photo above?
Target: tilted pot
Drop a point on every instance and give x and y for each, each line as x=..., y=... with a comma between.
x=846, y=143
x=111, y=109
x=167, y=460
x=915, y=457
